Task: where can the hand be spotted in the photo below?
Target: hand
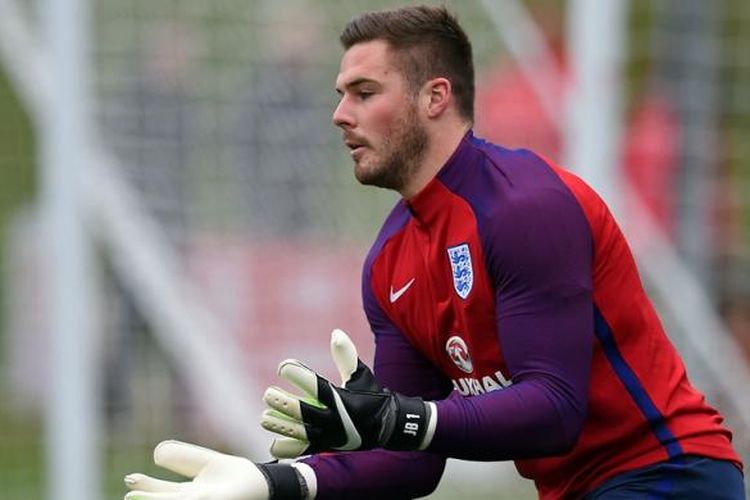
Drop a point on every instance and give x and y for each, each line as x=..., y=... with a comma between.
x=360, y=415
x=214, y=476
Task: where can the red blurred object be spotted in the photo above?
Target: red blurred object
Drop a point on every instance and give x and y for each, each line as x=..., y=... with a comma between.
x=509, y=113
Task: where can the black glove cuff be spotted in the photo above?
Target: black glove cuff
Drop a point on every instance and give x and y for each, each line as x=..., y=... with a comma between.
x=410, y=423
x=284, y=481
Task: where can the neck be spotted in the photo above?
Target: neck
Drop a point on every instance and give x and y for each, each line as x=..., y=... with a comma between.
x=443, y=142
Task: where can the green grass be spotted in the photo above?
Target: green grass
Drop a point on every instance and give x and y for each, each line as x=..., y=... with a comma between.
x=21, y=457
x=21, y=454
x=23, y=468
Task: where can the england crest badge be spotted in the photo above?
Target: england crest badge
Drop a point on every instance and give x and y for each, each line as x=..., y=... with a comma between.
x=463, y=273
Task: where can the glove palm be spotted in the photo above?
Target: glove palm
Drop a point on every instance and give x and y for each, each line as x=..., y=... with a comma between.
x=214, y=476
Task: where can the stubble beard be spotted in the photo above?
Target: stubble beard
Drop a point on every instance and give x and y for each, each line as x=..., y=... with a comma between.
x=402, y=153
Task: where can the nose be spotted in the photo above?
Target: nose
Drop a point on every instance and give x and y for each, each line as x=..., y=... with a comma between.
x=342, y=115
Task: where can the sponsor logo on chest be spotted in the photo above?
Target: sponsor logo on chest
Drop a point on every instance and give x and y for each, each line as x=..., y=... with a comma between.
x=472, y=386
x=458, y=352
x=462, y=271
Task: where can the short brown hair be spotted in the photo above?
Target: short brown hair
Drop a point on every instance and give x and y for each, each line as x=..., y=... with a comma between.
x=429, y=42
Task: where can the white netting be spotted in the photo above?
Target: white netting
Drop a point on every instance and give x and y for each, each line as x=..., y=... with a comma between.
x=214, y=120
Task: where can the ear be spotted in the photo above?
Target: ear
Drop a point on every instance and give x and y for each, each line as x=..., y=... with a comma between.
x=438, y=94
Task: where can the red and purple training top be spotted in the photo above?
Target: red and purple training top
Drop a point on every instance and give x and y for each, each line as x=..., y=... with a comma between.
x=505, y=292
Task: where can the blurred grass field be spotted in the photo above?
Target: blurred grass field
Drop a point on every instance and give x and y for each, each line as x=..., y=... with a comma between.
x=21, y=457
x=21, y=437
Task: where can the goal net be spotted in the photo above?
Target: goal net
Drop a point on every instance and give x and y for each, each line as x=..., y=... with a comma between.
x=231, y=231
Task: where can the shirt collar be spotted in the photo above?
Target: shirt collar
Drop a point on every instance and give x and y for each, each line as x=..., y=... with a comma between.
x=429, y=200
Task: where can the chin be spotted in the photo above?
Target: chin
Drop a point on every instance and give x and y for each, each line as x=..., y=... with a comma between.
x=363, y=177
x=365, y=173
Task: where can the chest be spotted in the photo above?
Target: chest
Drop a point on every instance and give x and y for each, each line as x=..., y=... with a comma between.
x=433, y=284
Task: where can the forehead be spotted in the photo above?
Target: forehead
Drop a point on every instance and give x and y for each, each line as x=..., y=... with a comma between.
x=367, y=61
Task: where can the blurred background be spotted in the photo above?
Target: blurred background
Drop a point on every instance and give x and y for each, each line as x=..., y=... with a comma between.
x=177, y=213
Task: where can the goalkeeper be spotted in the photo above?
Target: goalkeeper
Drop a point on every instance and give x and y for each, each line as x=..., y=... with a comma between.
x=509, y=318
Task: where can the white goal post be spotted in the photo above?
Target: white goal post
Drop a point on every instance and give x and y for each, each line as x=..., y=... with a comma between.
x=112, y=211
x=107, y=212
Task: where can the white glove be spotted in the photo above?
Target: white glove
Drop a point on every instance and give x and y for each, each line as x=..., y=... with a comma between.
x=345, y=357
x=214, y=476
x=358, y=415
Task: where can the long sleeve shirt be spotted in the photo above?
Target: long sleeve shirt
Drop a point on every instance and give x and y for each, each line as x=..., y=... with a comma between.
x=505, y=292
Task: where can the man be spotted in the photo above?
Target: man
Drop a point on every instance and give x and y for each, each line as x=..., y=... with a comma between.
x=509, y=318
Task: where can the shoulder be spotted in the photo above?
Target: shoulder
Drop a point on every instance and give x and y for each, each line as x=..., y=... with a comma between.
x=527, y=213
x=509, y=188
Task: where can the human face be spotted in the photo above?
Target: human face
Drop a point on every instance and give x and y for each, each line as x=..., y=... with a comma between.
x=379, y=117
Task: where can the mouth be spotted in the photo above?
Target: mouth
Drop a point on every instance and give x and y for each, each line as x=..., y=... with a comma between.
x=356, y=147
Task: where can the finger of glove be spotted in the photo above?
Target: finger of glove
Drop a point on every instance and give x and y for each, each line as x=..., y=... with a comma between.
x=277, y=423
x=299, y=376
x=316, y=387
x=183, y=458
x=144, y=483
x=289, y=448
x=344, y=354
x=284, y=402
x=289, y=407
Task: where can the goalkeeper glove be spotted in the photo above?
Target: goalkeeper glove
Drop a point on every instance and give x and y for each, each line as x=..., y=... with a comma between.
x=360, y=415
x=216, y=476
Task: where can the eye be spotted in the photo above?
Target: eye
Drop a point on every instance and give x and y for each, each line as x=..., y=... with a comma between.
x=365, y=94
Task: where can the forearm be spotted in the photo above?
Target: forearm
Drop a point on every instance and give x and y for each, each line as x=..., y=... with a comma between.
x=521, y=421
x=376, y=474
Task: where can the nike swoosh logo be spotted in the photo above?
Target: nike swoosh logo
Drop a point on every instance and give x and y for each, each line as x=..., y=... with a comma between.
x=353, y=439
x=394, y=296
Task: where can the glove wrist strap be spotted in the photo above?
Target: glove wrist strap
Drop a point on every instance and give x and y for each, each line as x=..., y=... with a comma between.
x=284, y=482
x=410, y=421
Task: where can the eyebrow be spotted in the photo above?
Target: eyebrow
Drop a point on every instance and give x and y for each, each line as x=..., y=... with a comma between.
x=356, y=83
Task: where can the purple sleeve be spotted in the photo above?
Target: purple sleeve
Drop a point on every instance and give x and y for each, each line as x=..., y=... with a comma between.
x=381, y=473
x=376, y=474
x=538, y=252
